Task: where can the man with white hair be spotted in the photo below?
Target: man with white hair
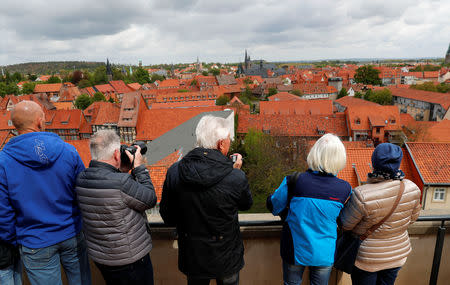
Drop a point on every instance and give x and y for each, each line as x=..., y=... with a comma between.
x=113, y=205
x=202, y=195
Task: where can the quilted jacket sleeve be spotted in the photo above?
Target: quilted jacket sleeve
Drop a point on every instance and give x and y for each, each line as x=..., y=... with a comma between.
x=140, y=193
x=353, y=212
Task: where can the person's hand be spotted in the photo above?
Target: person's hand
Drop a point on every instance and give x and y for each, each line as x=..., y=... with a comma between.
x=238, y=163
x=138, y=158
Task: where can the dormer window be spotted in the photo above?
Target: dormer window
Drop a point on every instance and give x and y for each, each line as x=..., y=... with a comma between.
x=357, y=121
x=10, y=123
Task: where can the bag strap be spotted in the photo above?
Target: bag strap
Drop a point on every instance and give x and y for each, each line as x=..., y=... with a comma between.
x=291, y=186
x=375, y=227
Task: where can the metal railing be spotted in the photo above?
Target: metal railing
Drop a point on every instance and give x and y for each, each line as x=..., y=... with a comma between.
x=440, y=236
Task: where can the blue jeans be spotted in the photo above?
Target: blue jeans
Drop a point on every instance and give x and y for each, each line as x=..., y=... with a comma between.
x=293, y=274
x=43, y=264
x=382, y=277
x=11, y=275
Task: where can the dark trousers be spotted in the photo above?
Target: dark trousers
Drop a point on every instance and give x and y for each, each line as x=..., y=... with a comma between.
x=229, y=280
x=382, y=277
x=138, y=273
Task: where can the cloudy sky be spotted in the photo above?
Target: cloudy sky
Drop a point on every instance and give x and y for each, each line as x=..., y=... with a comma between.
x=172, y=31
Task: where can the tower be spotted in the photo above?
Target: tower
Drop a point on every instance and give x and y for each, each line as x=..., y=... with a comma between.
x=447, y=56
x=109, y=73
x=246, y=60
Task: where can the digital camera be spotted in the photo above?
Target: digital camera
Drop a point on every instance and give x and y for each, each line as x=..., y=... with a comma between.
x=125, y=161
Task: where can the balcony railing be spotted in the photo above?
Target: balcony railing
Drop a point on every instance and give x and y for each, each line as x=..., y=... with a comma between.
x=440, y=236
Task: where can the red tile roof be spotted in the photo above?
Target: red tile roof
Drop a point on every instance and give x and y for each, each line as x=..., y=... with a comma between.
x=105, y=88
x=83, y=150
x=103, y=113
x=68, y=94
x=5, y=121
x=299, y=107
x=88, y=90
x=432, y=161
x=158, y=171
x=120, y=87
x=347, y=101
x=169, y=83
x=426, y=96
x=46, y=88
x=155, y=122
x=134, y=86
x=132, y=104
x=66, y=119
x=188, y=104
x=359, y=164
x=294, y=125
x=283, y=96
x=367, y=116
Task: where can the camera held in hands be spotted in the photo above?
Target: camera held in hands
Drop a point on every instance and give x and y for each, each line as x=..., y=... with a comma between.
x=125, y=160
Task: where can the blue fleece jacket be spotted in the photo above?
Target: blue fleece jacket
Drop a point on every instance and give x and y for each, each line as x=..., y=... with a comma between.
x=38, y=205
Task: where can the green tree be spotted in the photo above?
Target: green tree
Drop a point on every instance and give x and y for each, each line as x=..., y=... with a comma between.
x=205, y=73
x=297, y=92
x=367, y=75
x=141, y=75
x=83, y=101
x=222, y=100
x=98, y=96
x=214, y=71
x=32, y=77
x=16, y=77
x=268, y=158
x=382, y=97
x=54, y=79
x=155, y=77
x=8, y=89
x=342, y=93
x=194, y=82
x=99, y=76
x=358, y=95
x=84, y=83
x=28, y=87
x=272, y=91
x=248, y=80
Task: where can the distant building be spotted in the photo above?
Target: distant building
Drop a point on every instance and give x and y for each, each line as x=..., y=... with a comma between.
x=447, y=56
x=259, y=68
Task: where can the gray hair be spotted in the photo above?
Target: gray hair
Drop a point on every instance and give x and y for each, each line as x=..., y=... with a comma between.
x=327, y=155
x=210, y=130
x=103, y=144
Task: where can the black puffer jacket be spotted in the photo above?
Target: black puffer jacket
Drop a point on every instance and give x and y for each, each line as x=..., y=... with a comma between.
x=112, y=205
x=201, y=197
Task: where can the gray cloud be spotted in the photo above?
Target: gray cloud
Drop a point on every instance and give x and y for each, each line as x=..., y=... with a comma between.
x=180, y=30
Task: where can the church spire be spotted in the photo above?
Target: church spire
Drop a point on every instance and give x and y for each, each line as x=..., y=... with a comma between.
x=108, y=70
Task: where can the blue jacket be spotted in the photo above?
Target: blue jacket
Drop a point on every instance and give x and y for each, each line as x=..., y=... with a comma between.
x=38, y=206
x=310, y=231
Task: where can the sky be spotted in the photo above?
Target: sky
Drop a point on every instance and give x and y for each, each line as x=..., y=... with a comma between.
x=174, y=31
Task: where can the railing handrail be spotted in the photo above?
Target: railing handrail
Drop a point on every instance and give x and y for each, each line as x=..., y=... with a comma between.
x=265, y=223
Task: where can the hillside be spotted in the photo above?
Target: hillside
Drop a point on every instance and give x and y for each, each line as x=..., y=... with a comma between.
x=51, y=67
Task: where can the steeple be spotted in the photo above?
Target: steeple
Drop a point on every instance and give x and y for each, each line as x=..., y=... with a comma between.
x=108, y=70
x=447, y=56
x=131, y=70
x=246, y=60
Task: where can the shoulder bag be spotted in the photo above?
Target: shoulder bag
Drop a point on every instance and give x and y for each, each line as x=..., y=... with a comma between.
x=347, y=244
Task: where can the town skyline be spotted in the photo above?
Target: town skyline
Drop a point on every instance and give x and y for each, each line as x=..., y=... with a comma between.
x=179, y=31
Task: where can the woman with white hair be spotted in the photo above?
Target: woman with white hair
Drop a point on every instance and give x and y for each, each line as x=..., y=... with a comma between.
x=202, y=195
x=313, y=201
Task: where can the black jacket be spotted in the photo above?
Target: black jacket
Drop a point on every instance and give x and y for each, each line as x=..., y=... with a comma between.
x=201, y=197
x=113, y=207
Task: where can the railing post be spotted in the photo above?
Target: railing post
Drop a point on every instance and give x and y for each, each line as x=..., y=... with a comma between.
x=437, y=254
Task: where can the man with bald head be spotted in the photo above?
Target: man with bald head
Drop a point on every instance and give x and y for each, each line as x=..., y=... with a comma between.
x=38, y=205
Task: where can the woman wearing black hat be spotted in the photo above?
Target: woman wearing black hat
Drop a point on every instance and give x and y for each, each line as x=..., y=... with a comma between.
x=384, y=252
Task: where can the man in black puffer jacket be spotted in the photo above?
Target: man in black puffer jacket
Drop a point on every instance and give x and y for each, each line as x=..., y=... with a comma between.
x=202, y=195
x=113, y=205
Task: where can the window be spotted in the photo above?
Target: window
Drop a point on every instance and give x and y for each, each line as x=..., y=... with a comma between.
x=378, y=130
x=357, y=121
x=439, y=194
